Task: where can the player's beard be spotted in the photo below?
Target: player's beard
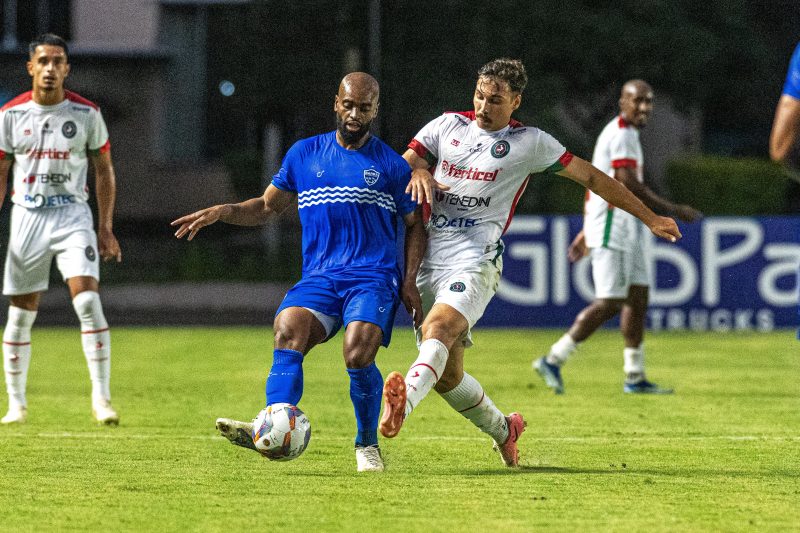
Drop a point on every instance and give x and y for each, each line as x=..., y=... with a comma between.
x=351, y=137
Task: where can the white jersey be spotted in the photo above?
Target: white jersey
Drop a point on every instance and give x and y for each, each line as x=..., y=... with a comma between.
x=50, y=147
x=487, y=171
x=604, y=225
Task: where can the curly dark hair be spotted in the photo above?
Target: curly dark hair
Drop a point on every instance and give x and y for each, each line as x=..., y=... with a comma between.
x=511, y=71
x=48, y=38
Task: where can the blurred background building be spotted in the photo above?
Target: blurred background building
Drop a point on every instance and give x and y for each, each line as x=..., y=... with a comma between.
x=202, y=97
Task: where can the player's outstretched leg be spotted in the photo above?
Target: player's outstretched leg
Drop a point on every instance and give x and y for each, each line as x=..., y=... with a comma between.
x=508, y=450
x=394, y=405
x=16, y=360
x=237, y=432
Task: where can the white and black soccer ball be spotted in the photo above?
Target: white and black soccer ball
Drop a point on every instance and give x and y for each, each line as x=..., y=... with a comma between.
x=281, y=432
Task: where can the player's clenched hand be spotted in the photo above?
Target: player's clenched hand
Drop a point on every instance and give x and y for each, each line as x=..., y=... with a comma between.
x=421, y=186
x=577, y=249
x=666, y=228
x=109, y=246
x=412, y=301
x=191, y=224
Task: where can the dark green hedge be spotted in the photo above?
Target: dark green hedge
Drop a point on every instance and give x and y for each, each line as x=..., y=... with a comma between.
x=731, y=186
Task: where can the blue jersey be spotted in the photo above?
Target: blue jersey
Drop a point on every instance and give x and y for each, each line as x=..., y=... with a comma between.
x=348, y=201
x=792, y=85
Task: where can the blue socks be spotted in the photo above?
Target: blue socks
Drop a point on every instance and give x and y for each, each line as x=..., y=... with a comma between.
x=366, y=388
x=285, y=380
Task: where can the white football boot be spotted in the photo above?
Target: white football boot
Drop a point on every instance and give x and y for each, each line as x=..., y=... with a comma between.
x=17, y=414
x=237, y=432
x=368, y=459
x=104, y=413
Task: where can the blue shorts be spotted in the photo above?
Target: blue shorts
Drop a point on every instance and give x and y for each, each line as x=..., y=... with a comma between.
x=352, y=297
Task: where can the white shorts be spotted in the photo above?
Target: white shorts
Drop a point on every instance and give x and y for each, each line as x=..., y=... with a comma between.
x=38, y=235
x=467, y=289
x=614, y=271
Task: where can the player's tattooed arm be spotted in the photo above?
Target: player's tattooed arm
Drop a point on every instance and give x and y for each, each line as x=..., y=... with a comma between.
x=415, y=244
x=617, y=194
x=422, y=184
x=627, y=176
x=252, y=212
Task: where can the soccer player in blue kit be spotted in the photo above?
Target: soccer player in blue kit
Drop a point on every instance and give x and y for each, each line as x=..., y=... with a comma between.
x=786, y=125
x=350, y=188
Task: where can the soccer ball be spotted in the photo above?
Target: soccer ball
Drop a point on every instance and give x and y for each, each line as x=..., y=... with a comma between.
x=281, y=432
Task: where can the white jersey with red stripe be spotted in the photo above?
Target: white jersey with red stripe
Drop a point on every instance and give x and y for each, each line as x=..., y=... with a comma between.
x=604, y=225
x=50, y=146
x=487, y=172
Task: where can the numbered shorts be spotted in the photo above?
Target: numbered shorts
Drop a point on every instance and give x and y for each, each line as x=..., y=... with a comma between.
x=467, y=289
x=614, y=271
x=37, y=236
x=339, y=299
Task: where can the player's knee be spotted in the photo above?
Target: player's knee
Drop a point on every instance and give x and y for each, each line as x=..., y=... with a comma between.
x=442, y=330
x=20, y=318
x=448, y=381
x=360, y=357
x=89, y=309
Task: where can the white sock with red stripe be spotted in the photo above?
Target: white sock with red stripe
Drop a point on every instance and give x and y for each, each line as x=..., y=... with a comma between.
x=96, y=340
x=469, y=399
x=425, y=372
x=17, y=353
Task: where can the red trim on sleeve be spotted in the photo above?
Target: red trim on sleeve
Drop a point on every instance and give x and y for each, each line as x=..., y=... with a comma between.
x=565, y=159
x=21, y=99
x=105, y=148
x=418, y=148
x=2, y=155
x=78, y=99
x=514, y=204
x=623, y=163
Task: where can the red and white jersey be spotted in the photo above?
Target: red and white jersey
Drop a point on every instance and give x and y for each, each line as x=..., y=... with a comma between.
x=50, y=147
x=487, y=172
x=604, y=225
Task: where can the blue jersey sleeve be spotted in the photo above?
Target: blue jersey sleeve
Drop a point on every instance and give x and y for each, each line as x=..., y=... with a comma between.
x=403, y=201
x=792, y=85
x=286, y=178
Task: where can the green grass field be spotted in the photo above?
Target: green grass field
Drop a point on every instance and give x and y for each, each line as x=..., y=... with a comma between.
x=722, y=454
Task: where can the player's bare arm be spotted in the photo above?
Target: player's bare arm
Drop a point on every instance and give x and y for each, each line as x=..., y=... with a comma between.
x=252, y=212
x=785, y=128
x=577, y=248
x=415, y=244
x=106, y=191
x=617, y=194
x=422, y=183
x=627, y=176
x=5, y=165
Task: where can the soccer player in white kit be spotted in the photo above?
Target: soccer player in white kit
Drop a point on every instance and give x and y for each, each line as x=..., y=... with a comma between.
x=48, y=135
x=619, y=252
x=483, y=163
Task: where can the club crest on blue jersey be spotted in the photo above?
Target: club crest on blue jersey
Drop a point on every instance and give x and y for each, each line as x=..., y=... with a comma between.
x=371, y=176
x=500, y=149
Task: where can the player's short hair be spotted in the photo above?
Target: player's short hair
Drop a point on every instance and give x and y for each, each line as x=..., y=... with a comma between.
x=48, y=38
x=511, y=71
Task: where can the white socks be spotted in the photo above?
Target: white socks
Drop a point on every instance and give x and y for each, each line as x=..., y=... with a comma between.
x=634, y=361
x=17, y=353
x=425, y=372
x=561, y=350
x=469, y=399
x=96, y=341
